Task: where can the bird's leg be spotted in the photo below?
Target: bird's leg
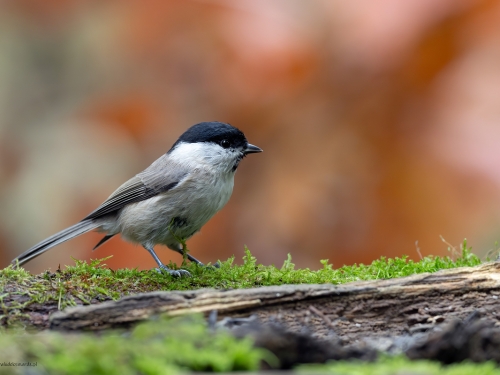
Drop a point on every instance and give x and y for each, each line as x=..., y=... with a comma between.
x=193, y=259
x=182, y=249
x=161, y=266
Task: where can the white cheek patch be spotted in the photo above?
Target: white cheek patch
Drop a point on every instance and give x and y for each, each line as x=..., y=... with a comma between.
x=204, y=153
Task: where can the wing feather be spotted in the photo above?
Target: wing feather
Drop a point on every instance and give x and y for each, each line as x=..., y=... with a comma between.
x=154, y=180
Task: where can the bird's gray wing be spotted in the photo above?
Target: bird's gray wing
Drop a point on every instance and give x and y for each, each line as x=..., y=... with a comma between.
x=158, y=178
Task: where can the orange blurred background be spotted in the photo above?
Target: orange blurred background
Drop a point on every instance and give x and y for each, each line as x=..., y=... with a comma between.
x=379, y=120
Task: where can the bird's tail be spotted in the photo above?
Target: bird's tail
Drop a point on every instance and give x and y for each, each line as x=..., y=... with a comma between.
x=58, y=238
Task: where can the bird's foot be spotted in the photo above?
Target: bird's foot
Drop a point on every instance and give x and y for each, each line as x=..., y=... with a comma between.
x=210, y=267
x=215, y=265
x=174, y=273
x=194, y=260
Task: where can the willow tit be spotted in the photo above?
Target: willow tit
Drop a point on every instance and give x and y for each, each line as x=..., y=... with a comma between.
x=170, y=200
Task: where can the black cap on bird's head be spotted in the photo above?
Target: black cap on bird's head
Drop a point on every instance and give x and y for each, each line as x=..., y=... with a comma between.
x=225, y=135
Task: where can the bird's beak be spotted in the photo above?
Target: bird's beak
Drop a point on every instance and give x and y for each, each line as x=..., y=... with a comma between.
x=251, y=149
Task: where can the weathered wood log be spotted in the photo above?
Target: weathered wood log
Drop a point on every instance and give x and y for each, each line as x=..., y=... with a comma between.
x=381, y=308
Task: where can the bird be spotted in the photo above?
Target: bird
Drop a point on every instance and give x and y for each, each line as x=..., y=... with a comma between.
x=170, y=200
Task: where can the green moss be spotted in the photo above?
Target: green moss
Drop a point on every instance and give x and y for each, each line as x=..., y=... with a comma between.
x=86, y=283
x=400, y=365
x=167, y=346
x=162, y=346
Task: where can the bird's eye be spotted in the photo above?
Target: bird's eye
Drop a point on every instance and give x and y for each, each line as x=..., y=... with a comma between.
x=224, y=143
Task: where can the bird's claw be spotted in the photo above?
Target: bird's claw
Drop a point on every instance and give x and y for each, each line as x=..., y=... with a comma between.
x=174, y=273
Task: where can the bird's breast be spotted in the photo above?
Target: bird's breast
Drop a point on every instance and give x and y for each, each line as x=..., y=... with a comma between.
x=181, y=211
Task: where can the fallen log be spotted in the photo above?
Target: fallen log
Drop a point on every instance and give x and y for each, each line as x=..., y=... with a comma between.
x=355, y=310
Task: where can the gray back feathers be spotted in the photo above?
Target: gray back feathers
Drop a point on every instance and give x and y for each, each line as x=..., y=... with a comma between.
x=154, y=180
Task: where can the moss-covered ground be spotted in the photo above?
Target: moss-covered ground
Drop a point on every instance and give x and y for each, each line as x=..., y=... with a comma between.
x=166, y=346
x=161, y=346
x=86, y=283
x=400, y=366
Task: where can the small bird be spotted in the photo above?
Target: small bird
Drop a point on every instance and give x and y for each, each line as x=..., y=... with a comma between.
x=169, y=201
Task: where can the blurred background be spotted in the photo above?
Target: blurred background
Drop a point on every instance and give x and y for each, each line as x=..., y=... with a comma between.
x=379, y=120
